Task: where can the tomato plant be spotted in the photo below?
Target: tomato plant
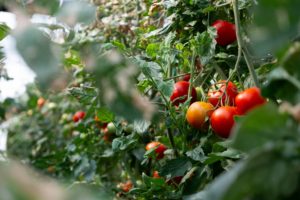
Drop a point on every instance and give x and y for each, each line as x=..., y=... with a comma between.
x=141, y=99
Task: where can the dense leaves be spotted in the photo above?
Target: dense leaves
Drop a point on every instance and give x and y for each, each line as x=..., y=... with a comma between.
x=120, y=63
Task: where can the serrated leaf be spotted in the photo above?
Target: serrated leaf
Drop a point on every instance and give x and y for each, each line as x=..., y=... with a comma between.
x=85, y=95
x=152, y=49
x=175, y=167
x=105, y=115
x=205, y=45
x=140, y=126
x=197, y=154
x=166, y=87
x=123, y=143
x=149, y=69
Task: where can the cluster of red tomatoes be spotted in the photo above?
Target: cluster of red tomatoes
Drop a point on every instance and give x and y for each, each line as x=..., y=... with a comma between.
x=224, y=102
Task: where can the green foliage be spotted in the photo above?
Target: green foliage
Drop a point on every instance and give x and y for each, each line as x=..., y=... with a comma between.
x=4, y=30
x=118, y=63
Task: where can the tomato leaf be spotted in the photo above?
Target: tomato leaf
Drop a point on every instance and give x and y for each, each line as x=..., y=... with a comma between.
x=4, y=30
x=197, y=154
x=261, y=126
x=123, y=143
x=85, y=95
x=175, y=167
x=272, y=36
x=105, y=115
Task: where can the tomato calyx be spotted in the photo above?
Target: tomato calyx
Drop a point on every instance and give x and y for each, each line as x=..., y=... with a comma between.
x=222, y=93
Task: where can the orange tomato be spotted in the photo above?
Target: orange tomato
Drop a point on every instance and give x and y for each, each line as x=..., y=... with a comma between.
x=197, y=112
x=40, y=102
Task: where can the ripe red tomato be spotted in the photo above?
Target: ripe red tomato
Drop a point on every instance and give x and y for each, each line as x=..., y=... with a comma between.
x=180, y=93
x=160, y=149
x=186, y=77
x=222, y=120
x=40, y=102
x=78, y=116
x=225, y=32
x=223, y=93
x=155, y=174
x=197, y=113
x=248, y=99
x=126, y=187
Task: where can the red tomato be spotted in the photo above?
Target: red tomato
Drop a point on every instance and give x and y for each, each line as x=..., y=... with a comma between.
x=126, y=187
x=248, y=99
x=40, y=102
x=186, y=77
x=222, y=120
x=197, y=113
x=160, y=149
x=227, y=94
x=225, y=32
x=155, y=174
x=79, y=115
x=180, y=93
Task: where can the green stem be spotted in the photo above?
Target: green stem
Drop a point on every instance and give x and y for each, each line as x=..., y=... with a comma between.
x=192, y=73
x=170, y=135
x=251, y=67
x=171, y=139
x=241, y=47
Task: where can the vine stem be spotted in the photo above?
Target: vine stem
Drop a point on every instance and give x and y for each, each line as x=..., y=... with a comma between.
x=169, y=131
x=241, y=47
x=192, y=73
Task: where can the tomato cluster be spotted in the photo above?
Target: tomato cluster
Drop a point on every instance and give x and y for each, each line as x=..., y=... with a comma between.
x=159, y=149
x=79, y=115
x=224, y=103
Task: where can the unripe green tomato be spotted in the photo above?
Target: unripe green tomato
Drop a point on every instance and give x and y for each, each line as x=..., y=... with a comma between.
x=128, y=128
x=83, y=135
x=111, y=128
x=51, y=105
x=199, y=93
x=139, y=182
